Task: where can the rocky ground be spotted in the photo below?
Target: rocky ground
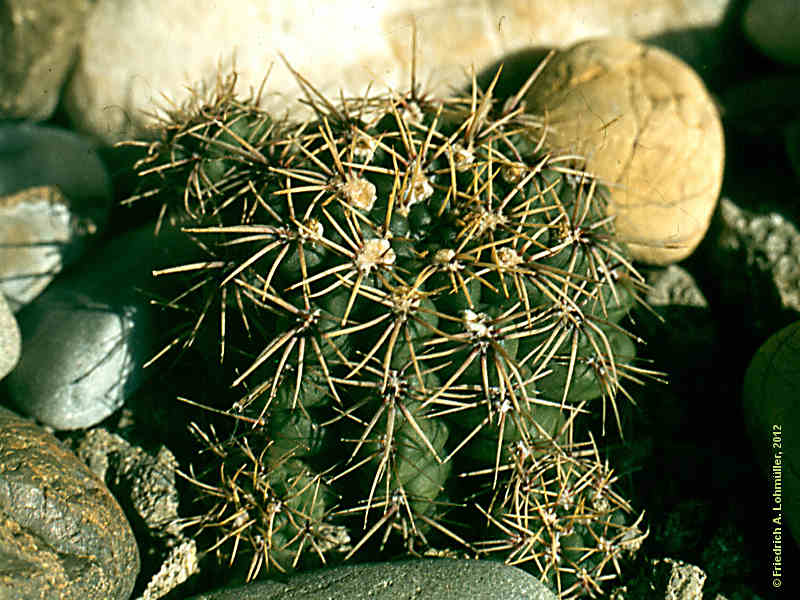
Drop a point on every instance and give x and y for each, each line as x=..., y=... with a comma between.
x=72, y=337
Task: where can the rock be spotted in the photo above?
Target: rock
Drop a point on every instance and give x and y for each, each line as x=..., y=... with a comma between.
x=674, y=286
x=10, y=342
x=88, y=335
x=772, y=413
x=646, y=125
x=683, y=581
x=758, y=247
x=122, y=71
x=38, y=236
x=62, y=534
x=180, y=564
x=35, y=155
x=40, y=41
x=143, y=483
x=664, y=579
x=432, y=579
x=45, y=228
x=774, y=28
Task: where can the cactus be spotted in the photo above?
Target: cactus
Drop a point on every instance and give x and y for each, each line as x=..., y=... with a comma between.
x=395, y=289
x=556, y=509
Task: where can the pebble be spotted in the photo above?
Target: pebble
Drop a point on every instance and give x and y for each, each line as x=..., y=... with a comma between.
x=10, y=341
x=62, y=534
x=41, y=37
x=165, y=46
x=55, y=196
x=774, y=28
x=88, y=335
x=432, y=579
x=646, y=124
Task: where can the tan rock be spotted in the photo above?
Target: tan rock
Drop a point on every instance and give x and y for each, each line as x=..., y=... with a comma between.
x=648, y=127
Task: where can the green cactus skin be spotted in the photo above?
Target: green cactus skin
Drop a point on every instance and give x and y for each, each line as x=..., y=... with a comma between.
x=399, y=290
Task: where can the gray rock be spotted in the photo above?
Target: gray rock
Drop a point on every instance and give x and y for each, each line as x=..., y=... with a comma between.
x=774, y=28
x=180, y=564
x=769, y=245
x=34, y=155
x=10, y=342
x=38, y=235
x=664, y=579
x=88, y=335
x=143, y=483
x=683, y=581
x=40, y=41
x=83, y=356
x=62, y=534
x=674, y=286
x=432, y=579
x=44, y=229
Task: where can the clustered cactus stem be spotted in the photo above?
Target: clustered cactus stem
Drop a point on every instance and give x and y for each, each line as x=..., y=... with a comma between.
x=405, y=293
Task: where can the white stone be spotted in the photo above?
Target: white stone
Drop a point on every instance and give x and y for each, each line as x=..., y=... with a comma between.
x=134, y=51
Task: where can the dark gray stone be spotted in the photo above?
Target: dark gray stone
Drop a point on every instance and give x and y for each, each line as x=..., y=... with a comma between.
x=36, y=155
x=431, y=579
x=9, y=339
x=62, y=534
x=39, y=43
x=88, y=335
x=55, y=196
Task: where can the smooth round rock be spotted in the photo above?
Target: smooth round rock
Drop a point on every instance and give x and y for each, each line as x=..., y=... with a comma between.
x=771, y=405
x=55, y=196
x=88, y=335
x=36, y=155
x=10, y=340
x=774, y=28
x=62, y=534
x=647, y=126
x=431, y=579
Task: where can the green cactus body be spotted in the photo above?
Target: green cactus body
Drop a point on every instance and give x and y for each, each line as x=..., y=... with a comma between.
x=413, y=276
